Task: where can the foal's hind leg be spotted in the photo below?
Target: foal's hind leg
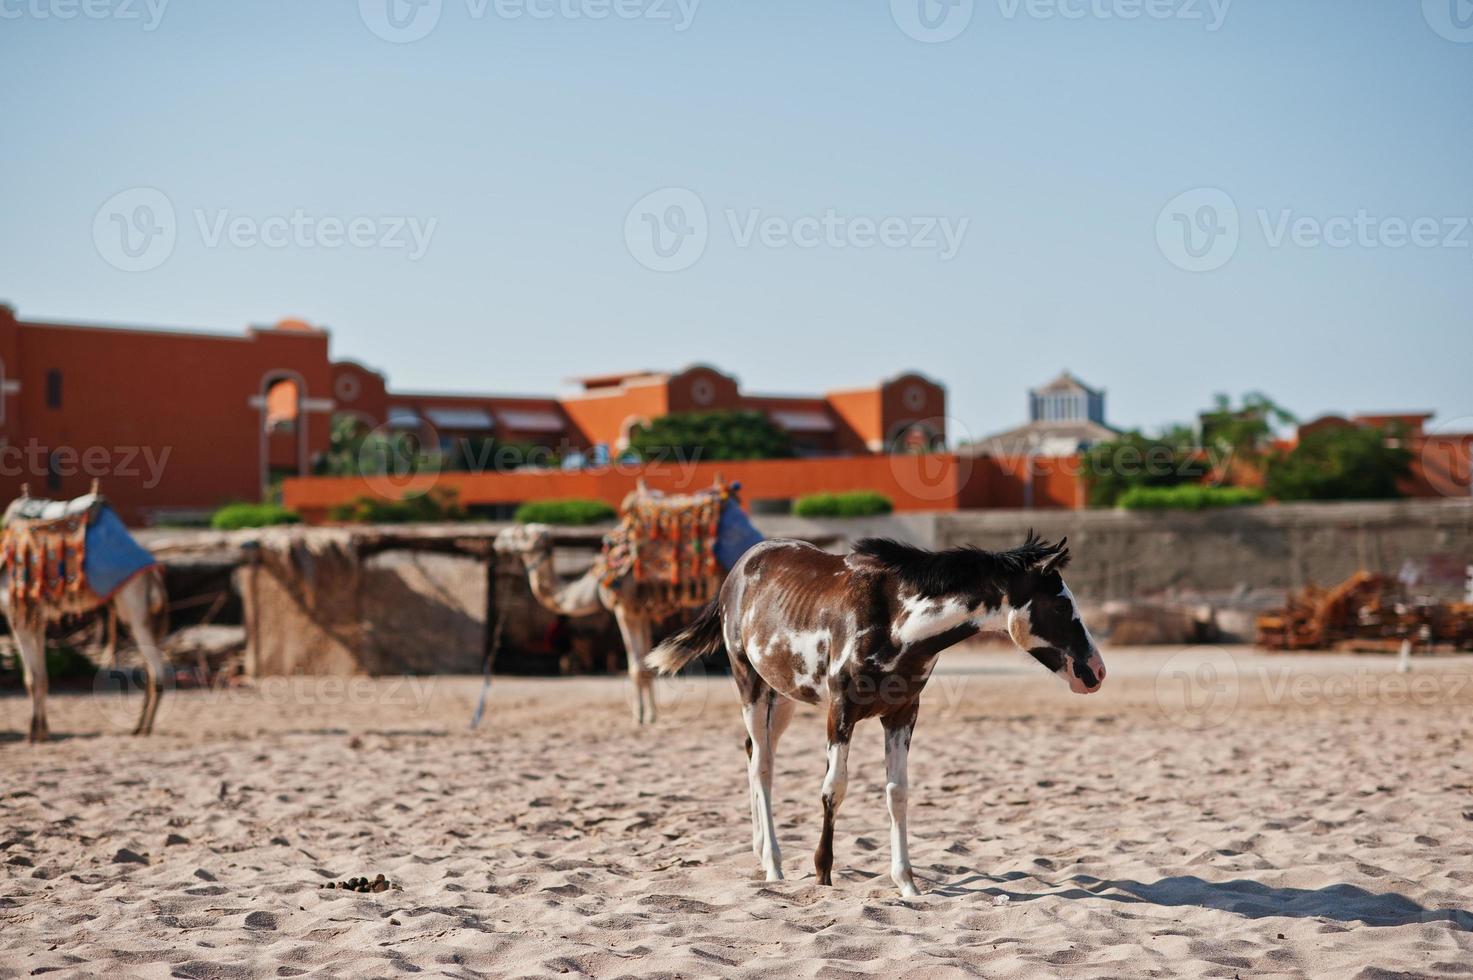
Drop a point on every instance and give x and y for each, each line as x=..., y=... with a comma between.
x=898, y=728
x=32, y=643
x=835, y=782
x=766, y=717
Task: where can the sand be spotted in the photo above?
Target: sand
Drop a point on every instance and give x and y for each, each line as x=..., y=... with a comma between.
x=1215, y=813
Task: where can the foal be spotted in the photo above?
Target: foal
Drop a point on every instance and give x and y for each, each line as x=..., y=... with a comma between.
x=862, y=633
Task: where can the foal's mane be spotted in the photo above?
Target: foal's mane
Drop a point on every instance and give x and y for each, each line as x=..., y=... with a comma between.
x=956, y=569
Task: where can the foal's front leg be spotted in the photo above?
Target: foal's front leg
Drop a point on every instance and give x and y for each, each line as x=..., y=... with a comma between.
x=898, y=728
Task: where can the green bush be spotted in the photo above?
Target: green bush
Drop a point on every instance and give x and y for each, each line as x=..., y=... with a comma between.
x=570, y=511
x=853, y=503
x=1341, y=464
x=440, y=504
x=232, y=517
x=1188, y=497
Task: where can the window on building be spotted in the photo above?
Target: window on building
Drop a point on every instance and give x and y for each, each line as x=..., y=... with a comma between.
x=53, y=474
x=53, y=388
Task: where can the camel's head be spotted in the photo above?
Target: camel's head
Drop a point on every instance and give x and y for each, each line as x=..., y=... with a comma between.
x=525, y=540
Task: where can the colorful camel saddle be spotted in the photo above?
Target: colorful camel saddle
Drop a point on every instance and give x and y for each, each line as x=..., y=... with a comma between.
x=679, y=547
x=66, y=556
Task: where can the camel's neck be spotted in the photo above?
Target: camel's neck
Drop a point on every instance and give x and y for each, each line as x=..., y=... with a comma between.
x=576, y=598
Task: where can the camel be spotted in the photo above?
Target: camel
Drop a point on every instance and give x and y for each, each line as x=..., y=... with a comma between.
x=585, y=596
x=136, y=604
x=140, y=602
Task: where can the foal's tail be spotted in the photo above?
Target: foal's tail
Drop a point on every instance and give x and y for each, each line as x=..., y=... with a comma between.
x=698, y=639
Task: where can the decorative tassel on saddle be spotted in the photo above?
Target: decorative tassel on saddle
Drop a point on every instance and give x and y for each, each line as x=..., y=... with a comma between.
x=45, y=559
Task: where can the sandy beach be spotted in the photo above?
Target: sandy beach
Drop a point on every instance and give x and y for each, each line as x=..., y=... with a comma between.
x=1216, y=813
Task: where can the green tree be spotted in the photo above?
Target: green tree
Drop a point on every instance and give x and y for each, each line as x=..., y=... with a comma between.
x=1113, y=468
x=710, y=436
x=1244, y=431
x=1340, y=464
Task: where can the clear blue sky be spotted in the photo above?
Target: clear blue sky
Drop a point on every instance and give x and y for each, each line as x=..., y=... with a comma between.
x=528, y=140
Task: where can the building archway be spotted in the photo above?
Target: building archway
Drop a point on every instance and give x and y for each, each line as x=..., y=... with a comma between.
x=281, y=412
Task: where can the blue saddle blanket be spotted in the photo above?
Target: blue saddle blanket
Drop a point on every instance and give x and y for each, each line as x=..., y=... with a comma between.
x=735, y=534
x=112, y=557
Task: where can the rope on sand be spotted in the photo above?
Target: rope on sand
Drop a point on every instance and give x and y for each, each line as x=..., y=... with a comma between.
x=486, y=664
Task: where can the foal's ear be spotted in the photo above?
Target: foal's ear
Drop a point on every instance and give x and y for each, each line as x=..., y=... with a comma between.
x=1058, y=558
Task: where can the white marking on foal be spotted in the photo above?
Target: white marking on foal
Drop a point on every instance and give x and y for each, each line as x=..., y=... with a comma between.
x=923, y=618
x=1093, y=646
x=814, y=647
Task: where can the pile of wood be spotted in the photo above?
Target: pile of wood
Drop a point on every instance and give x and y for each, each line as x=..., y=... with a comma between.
x=1365, y=612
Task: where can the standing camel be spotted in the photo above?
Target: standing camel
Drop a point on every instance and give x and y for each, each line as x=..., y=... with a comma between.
x=44, y=578
x=862, y=633
x=585, y=596
x=138, y=604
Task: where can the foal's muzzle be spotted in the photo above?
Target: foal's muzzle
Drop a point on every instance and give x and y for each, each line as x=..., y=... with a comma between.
x=1086, y=675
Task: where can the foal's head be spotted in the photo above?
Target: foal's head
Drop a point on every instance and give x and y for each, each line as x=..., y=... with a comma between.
x=1044, y=621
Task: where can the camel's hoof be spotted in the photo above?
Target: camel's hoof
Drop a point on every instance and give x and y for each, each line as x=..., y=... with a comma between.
x=774, y=876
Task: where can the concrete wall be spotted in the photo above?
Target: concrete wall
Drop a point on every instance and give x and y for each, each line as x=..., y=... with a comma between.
x=1125, y=554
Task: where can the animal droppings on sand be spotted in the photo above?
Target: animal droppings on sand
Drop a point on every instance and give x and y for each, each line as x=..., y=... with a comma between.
x=363, y=885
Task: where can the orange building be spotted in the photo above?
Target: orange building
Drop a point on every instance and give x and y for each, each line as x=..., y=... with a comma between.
x=176, y=423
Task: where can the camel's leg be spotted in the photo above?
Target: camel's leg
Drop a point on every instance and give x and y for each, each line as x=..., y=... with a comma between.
x=766, y=719
x=132, y=607
x=835, y=783
x=635, y=629
x=32, y=643
x=898, y=728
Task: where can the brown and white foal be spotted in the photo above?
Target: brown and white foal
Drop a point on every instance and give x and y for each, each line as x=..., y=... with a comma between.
x=862, y=632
